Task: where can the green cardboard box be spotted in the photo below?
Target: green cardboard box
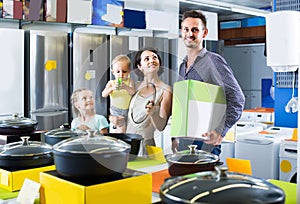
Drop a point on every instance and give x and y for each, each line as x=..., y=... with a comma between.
x=197, y=108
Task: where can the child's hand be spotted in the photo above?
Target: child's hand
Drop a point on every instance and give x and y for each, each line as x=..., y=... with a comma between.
x=113, y=86
x=83, y=127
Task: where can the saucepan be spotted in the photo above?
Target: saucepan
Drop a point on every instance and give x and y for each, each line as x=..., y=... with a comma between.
x=63, y=132
x=16, y=124
x=25, y=155
x=218, y=187
x=191, y=161
x=92, y=156
x=133, y=139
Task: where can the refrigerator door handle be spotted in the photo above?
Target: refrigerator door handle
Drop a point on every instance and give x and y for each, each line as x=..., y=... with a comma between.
x=42, y=110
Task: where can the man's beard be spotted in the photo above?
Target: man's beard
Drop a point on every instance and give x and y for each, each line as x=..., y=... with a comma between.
x=191, y=44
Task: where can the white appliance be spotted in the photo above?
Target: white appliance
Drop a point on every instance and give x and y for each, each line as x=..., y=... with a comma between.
x=240, y=128
x=262, y=150
x=163, y=139
x=12, y=71
x=288, y=161
x=258, y=116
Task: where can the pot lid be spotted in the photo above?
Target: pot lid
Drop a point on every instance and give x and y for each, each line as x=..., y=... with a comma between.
x=95, y=144
x=192, y=156
x=17, y=121
x=63, y=131
x=25, y=148
x=221, y=187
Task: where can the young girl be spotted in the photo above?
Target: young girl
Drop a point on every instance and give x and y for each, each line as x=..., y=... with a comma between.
x=84, y=110
x=120, y=91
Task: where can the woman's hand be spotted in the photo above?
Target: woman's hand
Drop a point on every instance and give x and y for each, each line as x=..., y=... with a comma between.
x=151, y=108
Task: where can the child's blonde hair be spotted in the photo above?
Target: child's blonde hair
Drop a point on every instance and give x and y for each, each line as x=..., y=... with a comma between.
x=74, y=99
x=121, y=58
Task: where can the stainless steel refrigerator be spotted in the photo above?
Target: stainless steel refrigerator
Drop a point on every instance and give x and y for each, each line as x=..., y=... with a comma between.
x=48, y=77
x=90, y=63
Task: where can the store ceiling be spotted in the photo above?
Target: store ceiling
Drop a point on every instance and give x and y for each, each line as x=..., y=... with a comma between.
x=225, y=15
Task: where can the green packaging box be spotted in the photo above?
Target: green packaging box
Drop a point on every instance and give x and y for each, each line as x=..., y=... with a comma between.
x=197, y=108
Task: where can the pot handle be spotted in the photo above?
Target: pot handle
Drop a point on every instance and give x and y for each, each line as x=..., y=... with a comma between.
x=91, y=133
x=221, y=171
x=15, y=116
x=25, y=140
x=192, y=149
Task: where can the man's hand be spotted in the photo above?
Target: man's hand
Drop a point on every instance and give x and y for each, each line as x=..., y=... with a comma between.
x=212, y=137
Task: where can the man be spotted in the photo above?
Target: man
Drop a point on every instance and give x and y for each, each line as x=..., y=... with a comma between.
x=209, y=67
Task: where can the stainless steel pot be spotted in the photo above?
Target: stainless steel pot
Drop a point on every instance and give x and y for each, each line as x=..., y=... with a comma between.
x=16, y=124
x=91, y=156
x=219, y=187
x=25, y=154
x=191, y=161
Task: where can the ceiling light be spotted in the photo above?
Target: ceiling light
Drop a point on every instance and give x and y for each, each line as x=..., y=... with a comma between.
x=228, y=7
x=206, y=5
x=250, y=11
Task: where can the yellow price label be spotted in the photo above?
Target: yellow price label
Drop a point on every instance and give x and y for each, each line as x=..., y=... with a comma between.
x=88, y=76
x=50, y=65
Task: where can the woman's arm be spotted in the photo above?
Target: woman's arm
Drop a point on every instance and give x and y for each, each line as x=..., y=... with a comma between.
x=129, y=88
x=160, y=114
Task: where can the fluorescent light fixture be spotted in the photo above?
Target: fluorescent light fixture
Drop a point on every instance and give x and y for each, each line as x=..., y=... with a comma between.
x=227, y=7
x=250, y=11
x=205, y=4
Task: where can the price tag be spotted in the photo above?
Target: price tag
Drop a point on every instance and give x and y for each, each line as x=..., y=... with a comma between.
x=4, y=179
x=28, y=192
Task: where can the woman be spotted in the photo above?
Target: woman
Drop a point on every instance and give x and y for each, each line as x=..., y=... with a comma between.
x=150, y=107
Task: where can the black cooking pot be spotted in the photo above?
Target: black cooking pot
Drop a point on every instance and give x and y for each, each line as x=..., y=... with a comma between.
x=91, y=157
x=133, y=139
x=63, y=132
x=220, y=187
x=25, y=154
x=191, y=161
x=16, y=124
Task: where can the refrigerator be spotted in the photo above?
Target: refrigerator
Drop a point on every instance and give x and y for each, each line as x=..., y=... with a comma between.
x=12, y=71
x=94, y=49
x=47, y=76
x=90, y=63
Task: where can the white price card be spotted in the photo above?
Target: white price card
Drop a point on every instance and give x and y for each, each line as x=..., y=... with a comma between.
x=28, y=192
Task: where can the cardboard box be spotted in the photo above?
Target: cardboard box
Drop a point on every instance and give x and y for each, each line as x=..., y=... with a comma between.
x=197, y=108
x=230, y=24
x=254, y=21
x=13, y=180
x=132, y=189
